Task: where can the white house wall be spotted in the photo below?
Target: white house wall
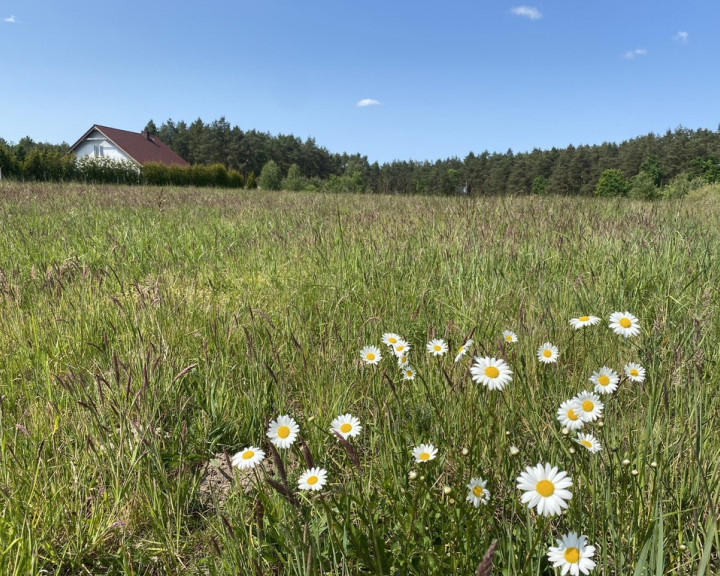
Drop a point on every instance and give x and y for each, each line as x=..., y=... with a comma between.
x=95, y=138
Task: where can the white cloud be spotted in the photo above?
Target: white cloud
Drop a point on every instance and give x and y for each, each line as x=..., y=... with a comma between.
x=527, y=12
x=367, y=102
x=637, y=52
x=10, y=19
x=682, y=36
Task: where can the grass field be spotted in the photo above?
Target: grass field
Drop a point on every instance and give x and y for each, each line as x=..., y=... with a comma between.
x=147, y=335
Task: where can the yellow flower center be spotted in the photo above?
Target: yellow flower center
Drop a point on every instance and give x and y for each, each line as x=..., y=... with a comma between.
x=392, y=340
x=572, y=555
x=283, y=431
x=477, y=491
x=584, y=318
x=571, y=415
x=547, y=353
x=603, y=380
x=409, y=373
x=461, y=350
x=586, y=443
x=370, y=356
x=425, y=456
x=437, y=347
x=248, y=454
x=345, y=428
x=545, y=488
x=625, y=323
x=634, y=372
x=312, y=480
x=492, y=372
x=588, y=406
x=399, y=348
x=508, y=337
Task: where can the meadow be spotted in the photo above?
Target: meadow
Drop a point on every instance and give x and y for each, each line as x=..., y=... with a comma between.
x=148, y=335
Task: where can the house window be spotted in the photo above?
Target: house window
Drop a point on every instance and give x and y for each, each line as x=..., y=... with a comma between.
x=99, y=151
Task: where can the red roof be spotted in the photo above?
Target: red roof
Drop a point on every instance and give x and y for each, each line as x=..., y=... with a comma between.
x=138, y=145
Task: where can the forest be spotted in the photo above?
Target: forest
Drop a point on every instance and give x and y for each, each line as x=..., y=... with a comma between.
x=220, y=154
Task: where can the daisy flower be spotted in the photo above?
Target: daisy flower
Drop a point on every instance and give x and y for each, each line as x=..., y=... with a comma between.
x=570, y=415
x=390, y=338
x=408, y=372
x=424, y=452
x=545, y=489
x=401, y=348
x=583, y=321
x=371, y=354
x=624, y=324
x=437, y=347
x=248, y=457
x=463, y=350
x=510, y=336
x=605, y=380
x=589, y=405
x=402, y=360
x=492, y=372
x=547, y=353
x=346, y=425
x=477, y=493
x=572, y=554
x=635, y=372
x=283, y=431
x=313, y=479
x=589, y=441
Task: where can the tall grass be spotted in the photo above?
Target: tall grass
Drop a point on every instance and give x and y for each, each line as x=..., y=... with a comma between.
x=147, y=334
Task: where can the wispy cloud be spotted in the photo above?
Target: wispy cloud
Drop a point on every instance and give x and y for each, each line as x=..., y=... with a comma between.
x=367, y=102
x=10, y=19
x=629, y=55
x=682, y=36
x=527, y=12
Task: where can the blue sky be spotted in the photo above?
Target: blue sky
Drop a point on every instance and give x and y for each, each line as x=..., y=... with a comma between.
x=440, y=79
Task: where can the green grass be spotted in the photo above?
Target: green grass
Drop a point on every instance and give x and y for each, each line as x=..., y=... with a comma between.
x=144, y=332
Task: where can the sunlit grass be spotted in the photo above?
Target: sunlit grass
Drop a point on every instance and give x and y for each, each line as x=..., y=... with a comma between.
x=145, y=334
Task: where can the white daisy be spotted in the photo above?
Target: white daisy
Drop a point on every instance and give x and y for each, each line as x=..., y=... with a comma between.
x=492, y=372
x=403, y=360
x=424, y=452
x=437, y=347
x=248, y=457
x=401, y=348
x=313, y=479
x=346, y=425
x=371, y=354
x=477, y=493
x=463, y=350
x=283, y=432
x=570, y=415
x=635, y=372
x=583, y=321
x=590, y=442
x=572, y=554
x=605, y=380
x=408, y=372
x=590, y=406
x=547, y=353
x=545, y=489
x=624, y=324
x=390, y=338
x=510, y=336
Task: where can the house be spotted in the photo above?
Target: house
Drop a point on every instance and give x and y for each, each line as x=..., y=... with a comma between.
x=137, y=147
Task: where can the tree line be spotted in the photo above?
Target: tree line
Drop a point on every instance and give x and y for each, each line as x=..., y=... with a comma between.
x=642, y=167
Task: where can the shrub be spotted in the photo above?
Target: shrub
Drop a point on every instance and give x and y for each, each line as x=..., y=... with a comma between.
x=611, y=183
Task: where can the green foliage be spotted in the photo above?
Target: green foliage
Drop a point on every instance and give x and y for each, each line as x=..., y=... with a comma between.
x=708, y=168
x=651, y=167
x=105, y=170
x=251, y=183
x=270, y=178
x=611, y=183
x=642, y=187
x=539, y=185
x=681, y=185
x=294, y=181
x=215, y=175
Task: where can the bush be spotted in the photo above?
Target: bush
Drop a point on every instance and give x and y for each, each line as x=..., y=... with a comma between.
x=270, y=178
x=611, y=183
x=682, y=185
x=294, y=180
x=104, y=170
x=642, y=187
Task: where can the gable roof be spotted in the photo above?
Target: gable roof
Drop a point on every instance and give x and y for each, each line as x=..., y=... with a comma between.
x=139, y=146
